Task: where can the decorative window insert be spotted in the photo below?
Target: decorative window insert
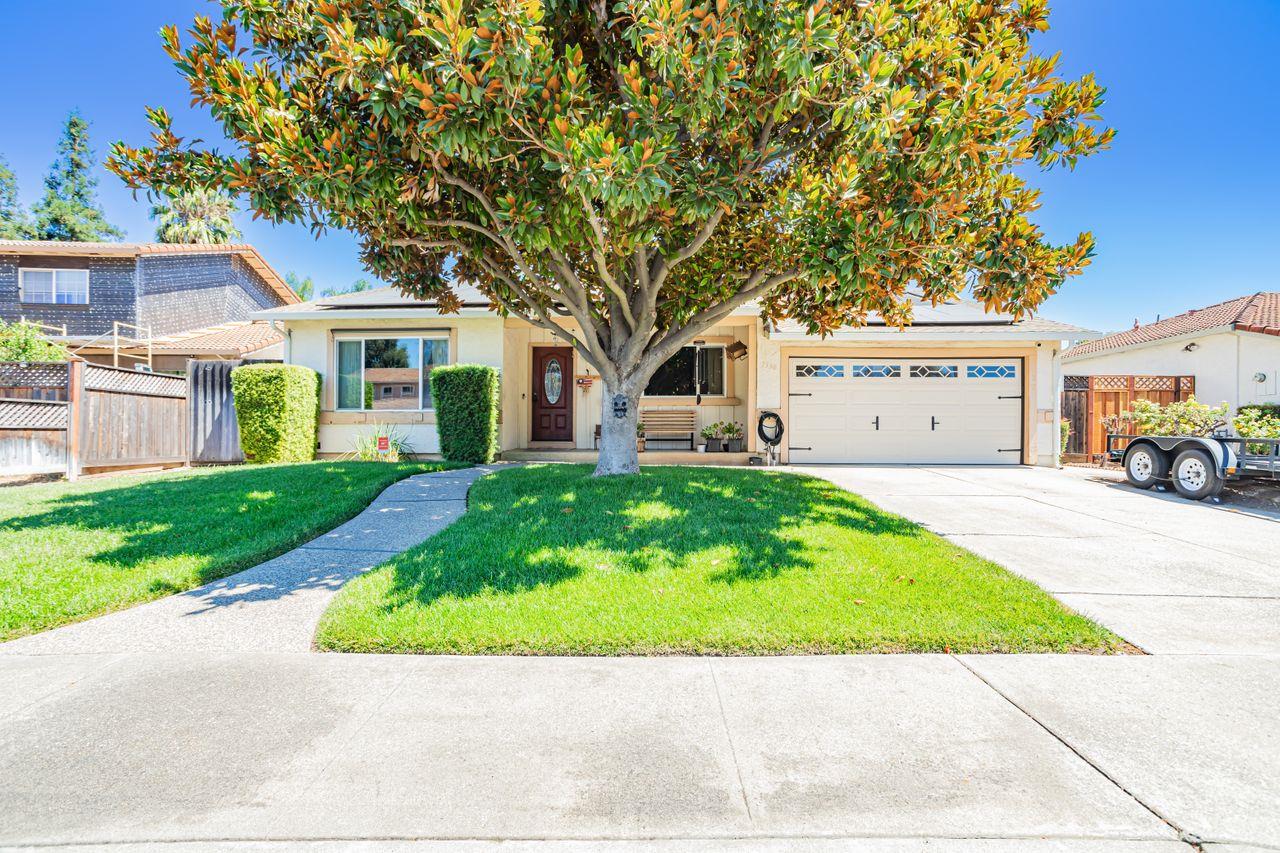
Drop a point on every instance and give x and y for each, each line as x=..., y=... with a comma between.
x=372, y=370
x=691, y=371
x=992, y=371
x=876, y=371
x=54, y=287
x=934, y=371
x=820, y=371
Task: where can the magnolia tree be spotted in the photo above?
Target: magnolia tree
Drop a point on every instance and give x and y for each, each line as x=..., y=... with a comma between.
x=627, y=174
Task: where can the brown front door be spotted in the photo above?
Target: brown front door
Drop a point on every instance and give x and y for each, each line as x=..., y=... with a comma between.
x=552, y=394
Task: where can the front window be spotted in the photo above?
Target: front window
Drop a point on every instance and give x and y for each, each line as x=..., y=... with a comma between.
x=691, y=371
x=388, y=374
x=54, y=287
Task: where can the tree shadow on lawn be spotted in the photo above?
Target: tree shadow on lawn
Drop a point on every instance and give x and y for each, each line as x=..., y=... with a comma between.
x=539, y=526
x=225, y=519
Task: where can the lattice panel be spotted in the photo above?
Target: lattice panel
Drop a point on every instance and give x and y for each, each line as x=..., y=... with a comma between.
x=1111, y=383
x=1186, y=383
x=24, y=414
x=99, y=378
x=38, y=375
x=1075, y=383
x=1153, y=383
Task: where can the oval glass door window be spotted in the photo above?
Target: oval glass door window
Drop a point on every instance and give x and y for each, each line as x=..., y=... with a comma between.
x=552, y=381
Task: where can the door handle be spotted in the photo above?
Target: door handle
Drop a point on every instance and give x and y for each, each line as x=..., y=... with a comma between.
x=877, y=423
x=933, y=423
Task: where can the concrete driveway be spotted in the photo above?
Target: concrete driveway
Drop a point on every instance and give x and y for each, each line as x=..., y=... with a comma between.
x=1168, y=575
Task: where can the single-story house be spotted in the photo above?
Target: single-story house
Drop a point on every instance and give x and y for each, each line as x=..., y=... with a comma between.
x=959, y=386
x=1232, y=349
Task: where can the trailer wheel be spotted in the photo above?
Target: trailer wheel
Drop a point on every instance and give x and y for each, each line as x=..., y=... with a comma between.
x=1195, y=476
x=1145, y=465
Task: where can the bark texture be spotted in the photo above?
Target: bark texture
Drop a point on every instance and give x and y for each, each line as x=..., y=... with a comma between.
x=618, y=453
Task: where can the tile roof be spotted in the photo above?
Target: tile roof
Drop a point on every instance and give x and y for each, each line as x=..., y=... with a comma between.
x=1258, y=312
x=70, y=248
x=238, y=338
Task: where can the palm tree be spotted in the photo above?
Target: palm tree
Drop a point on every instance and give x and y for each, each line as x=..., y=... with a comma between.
x=195, y=216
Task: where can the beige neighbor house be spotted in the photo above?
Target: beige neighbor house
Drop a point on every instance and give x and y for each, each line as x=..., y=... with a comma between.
x=960, y=386
x=1232, y=349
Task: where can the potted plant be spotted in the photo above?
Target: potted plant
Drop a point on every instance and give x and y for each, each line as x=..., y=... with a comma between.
x=711, y=432
x=639, y=437
x=733, y=437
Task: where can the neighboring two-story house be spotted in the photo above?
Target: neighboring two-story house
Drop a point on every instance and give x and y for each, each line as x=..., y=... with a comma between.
x=175, y=301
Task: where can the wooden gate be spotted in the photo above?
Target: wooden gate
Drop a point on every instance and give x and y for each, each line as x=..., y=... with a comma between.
x=1087, y=400
x=215, y=434
x=127, y=418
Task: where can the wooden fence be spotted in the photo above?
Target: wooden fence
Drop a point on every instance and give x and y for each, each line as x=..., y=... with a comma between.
x=1087, y=400
x=67, y=417
x=215, y=434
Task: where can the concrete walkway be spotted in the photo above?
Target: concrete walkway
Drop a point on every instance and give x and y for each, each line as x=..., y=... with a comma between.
x=1167, y=574
x=273, y=606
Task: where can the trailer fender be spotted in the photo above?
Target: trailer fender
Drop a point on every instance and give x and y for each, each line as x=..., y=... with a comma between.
x=1223, y=458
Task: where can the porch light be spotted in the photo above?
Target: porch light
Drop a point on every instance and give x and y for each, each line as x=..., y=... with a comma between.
x=736, y=350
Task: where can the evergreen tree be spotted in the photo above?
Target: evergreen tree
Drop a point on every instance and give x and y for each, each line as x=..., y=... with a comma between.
x=14, y=222
x=200, y=215
x=304, y=287
x=70, y=209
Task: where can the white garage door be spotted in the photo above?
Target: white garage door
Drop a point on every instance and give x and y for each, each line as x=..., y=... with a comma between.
x=943, y=410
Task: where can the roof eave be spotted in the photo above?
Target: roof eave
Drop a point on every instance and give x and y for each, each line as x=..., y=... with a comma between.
x=416, y=312
x=1185, y=336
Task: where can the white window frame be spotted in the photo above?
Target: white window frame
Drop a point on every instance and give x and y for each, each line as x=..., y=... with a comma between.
x=724, y=374
x=375, y=335
x=22, y=286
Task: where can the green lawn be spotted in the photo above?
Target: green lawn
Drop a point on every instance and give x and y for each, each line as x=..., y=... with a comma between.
x=69, y=551
x=549, y=560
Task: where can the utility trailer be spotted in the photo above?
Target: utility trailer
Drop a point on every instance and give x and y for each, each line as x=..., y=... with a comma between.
x=1197, y=466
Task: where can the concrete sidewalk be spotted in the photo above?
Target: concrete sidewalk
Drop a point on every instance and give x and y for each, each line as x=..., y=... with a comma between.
x=276, y=605
x=1086, y=753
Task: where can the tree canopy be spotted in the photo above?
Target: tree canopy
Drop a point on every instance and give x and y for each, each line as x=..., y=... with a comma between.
x=628, y=174
x=69, y=209
x=14, y=222
x=199, y=215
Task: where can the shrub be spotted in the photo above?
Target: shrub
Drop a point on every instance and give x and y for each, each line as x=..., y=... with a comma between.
x=277, y=407
x=1268, y=409
x=1186, y=417
x=466, y=403
x=23, y=341
x=366, y=444
x=1064, y=435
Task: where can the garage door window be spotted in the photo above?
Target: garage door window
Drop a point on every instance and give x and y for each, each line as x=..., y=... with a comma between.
x=876, y=371
x=820, y=371
x=992, y=371
x=934, y=371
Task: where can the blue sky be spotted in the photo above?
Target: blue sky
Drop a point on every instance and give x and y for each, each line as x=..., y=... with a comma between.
x=1183, y=206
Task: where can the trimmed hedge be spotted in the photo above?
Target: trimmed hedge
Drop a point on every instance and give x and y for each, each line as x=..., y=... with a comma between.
x=277, y=407
x=466, y=402
x=1268, y=409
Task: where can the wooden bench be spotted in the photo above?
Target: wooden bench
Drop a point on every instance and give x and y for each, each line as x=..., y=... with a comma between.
x=666, y=424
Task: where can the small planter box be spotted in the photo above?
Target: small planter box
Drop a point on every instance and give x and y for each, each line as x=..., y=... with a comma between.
x=733, y=445
x=715, y=445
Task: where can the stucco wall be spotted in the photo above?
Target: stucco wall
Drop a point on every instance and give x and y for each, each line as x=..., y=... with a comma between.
x=588, y=402
x=310, y=343
x=1223, y=364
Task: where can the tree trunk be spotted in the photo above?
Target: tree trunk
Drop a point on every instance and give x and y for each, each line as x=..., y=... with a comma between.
x=618, y=434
